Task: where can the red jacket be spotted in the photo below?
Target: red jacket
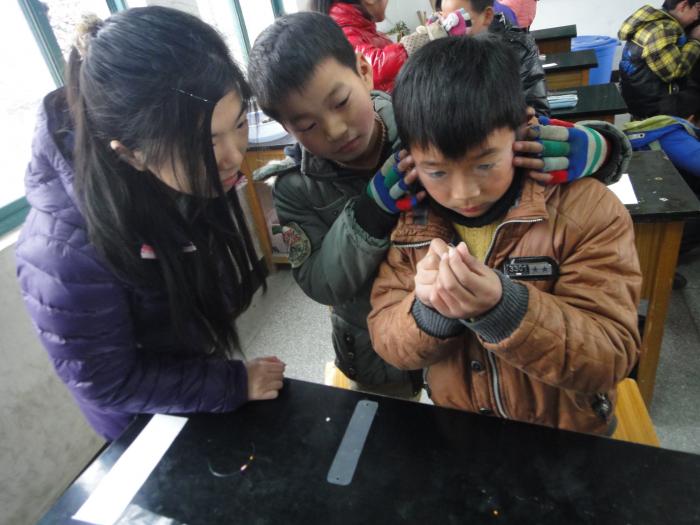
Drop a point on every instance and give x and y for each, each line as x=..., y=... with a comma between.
x=385, y=56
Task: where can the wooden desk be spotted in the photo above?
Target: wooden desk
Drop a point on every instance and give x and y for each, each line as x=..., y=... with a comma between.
x=665, y=202
x=554, y=39
x=599, y=102
x=571, y=69
x=256, y=157
x=418, y=464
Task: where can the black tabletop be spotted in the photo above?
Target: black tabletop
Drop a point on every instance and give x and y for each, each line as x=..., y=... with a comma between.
x=599, y=99
x=662, y=193
x=570, y=60
x=554, y=33
x=419, y=464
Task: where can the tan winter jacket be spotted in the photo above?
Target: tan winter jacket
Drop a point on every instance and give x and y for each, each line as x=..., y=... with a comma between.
x=578, y=337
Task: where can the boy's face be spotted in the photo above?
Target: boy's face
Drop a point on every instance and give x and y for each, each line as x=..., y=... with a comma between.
x=480, y=21
x=686, y=14
x=472, y=184
x=332, y=116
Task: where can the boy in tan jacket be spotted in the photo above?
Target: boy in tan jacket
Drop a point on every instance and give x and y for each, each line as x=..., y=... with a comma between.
x=518, y=300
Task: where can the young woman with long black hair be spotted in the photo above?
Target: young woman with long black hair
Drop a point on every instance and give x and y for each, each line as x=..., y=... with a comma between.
x=135, y=259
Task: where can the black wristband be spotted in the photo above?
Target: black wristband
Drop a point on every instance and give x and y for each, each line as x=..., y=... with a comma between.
x=372, y=219
x=434, y=323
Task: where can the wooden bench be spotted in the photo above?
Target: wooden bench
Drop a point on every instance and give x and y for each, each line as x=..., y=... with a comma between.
x=334, y=377
x=568, y=70
x=554, y=39
x=633, y=421
x=598, y=102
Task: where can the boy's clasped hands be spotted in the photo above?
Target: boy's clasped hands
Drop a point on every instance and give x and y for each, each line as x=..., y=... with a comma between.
x=455, y=283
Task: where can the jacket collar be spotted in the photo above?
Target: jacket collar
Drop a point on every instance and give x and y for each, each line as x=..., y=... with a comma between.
x=424, y=224
x=324, y=169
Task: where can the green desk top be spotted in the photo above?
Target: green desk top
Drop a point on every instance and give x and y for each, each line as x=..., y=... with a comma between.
x=554, y=33
x=600, y=99
x=570, y=60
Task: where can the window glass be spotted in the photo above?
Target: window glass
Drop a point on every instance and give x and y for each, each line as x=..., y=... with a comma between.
x=24, y=82
x=64, y=15
x=290, y=6
x=258, y=15
x=217, y=13
x=220, y=15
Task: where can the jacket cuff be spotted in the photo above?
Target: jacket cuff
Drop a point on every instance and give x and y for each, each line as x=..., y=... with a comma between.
x=372, y=219
x=237, y=392
x=504, y=318
x=434, y=323
x=619, y=151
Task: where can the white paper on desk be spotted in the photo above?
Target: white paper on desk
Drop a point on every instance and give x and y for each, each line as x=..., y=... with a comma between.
x=624, y=190
x=119, y=486
x=551, y=64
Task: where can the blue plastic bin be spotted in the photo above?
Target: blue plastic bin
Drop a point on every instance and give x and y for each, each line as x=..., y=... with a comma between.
x=604, y=48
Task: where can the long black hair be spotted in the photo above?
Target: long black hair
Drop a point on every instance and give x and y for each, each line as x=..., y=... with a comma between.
x=150, y=78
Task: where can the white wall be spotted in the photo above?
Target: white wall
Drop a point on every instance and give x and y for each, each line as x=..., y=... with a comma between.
x=592, y=17
x=404, y=10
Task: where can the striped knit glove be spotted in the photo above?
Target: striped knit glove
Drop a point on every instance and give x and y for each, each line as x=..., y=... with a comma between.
x=570, y=151
x=388, y=189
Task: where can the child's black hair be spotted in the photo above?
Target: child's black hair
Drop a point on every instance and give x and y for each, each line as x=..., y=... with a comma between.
x=672, y=4
x=455, y=91
x=477, y=5
x=286, y=55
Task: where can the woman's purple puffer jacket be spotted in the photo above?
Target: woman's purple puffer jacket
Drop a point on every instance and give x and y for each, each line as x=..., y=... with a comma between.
x=111, y=342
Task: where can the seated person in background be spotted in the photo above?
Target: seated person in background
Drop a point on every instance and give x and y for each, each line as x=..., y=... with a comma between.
x=498, y=7
x=676, y=132
x=508, y=13
x=484, y=19
x=524, y=10
x=548, y=347
x=658, y=54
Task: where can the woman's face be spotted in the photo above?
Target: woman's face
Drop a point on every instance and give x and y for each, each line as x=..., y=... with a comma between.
x=376, y=8
x=229, y=135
